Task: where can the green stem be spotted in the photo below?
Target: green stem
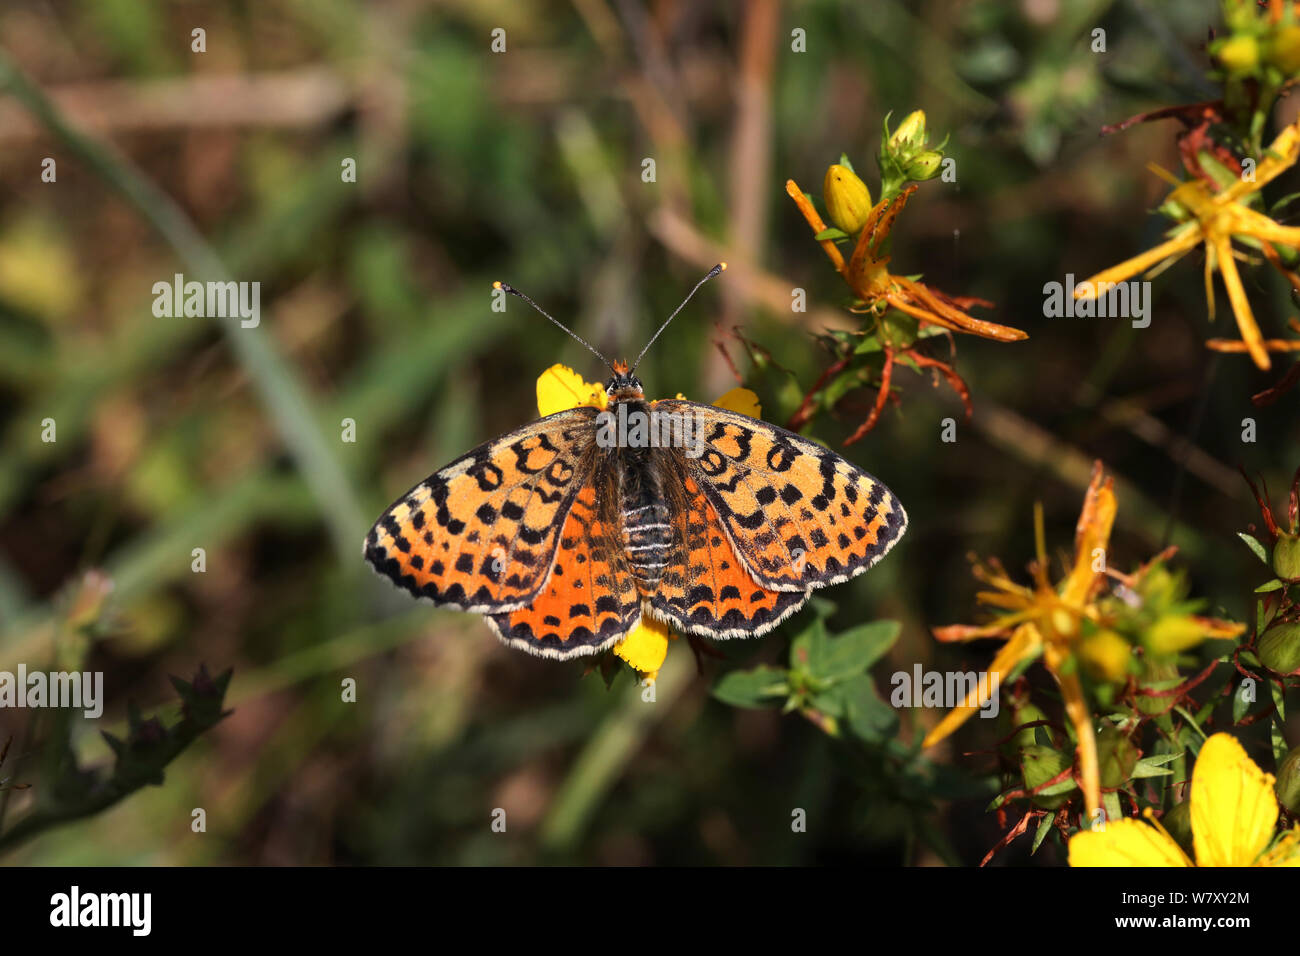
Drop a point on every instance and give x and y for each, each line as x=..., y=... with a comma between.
x=608, y=752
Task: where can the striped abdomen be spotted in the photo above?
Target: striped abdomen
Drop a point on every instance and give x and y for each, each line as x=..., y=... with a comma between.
x=647, y=537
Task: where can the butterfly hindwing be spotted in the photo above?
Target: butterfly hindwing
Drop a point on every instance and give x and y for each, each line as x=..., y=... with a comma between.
x=482, y=534
x=588, y=603
x=797, y=514
x=706, y=589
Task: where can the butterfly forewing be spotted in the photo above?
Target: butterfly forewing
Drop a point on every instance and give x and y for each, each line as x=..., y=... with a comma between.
x=482, y=534
x=798, y=515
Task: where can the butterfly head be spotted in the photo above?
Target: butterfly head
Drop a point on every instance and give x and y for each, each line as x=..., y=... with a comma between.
x=623, y=385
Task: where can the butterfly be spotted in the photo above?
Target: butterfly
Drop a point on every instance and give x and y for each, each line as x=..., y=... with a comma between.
x=562, y=534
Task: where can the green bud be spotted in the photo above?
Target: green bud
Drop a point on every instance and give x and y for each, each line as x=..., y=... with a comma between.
x=1279, y=648
x=899, y=329
x=1117, y=757
x=1286, y=557
x=848, y=201
x=1155, y=672
x=924, y=165
x=1039, y=764
x=1288, y=782
x=1024, y=738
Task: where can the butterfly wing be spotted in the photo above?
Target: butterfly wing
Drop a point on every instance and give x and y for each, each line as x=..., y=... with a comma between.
x=798, y=515
x=589, y=602
x=482, y=534
x=705, y=589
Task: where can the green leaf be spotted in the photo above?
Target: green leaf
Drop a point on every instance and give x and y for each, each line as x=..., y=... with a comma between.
x=762, y=687
x=868, y=716
x=1273, y=585
x=1240, y=705
x=1154, y=766
x=823, y=607
x=829, y=703
x=1283, y=202
x=855, y=650
x=1044, y=828
x=830, y=232
x=809, y=648
x=1254, y=545
x=844, y=161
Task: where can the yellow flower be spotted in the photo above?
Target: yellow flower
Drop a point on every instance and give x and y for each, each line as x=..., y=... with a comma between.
x=560, y=388
x=1233, y=811
x=1045, y=619
x=1216, y=219
x=646, y=647
x=867, y=273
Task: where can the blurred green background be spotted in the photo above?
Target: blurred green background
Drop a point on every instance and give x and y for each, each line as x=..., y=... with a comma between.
x=526, y=166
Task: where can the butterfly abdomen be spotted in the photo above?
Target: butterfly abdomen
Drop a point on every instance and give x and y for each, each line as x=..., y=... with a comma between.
x=647, y=532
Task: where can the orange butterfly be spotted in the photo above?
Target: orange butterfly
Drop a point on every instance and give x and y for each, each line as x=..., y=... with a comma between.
x=565, y=532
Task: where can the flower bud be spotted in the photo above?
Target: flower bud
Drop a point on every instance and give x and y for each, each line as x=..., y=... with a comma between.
x=1018, y=717
x=1287, y=786
x=1279, y=648
x=1040, y=764
x=1156, y=672
x=1238, y=54
x=1286, y=557
x=1105, y=656
x=910, y=133
x=848, y=201
x=898, y=329
x=1284, y=51
x=1174, y=633
x=1116, y=756
x=924, y=165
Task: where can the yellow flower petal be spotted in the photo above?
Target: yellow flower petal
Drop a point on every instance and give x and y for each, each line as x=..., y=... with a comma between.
x=1233, y=806
x=1091, y=533
x=1181, y=244
x=1024, y=643
x=646, y=646
x=1286, y=852
x=1126, y=842
x=741, y=400
x=1280, y=156
x=1246, y=324
x=560, y=388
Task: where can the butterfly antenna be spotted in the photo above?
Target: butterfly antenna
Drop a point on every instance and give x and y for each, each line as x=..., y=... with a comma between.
x=513, y=291
x=712, y=272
